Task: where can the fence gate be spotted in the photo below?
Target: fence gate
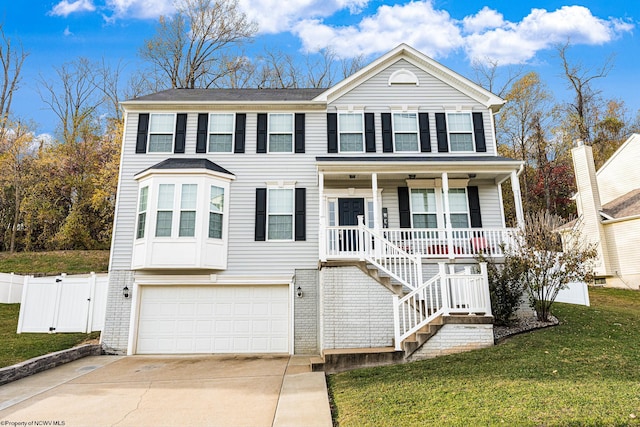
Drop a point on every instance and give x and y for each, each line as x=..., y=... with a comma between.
x=63, y=304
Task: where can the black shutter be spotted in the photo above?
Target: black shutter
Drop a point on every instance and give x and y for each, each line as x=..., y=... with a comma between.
x=262, y=133
x=301, y=214
x=369, y=132
x=387, y=139
x=332, y=133
x=478, y=130
x=261, y=214
x=143, y=128
x=241, y=120
x=425, y=134
x=474, y=206
x=299, y=134
x=404, y=208
x=181, y=130
x=201, y=136
x=441, y=132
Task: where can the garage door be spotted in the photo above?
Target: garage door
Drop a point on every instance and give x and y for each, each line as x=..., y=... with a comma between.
x=213, y=319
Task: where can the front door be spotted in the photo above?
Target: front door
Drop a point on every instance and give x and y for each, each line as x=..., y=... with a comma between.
x=348, y=212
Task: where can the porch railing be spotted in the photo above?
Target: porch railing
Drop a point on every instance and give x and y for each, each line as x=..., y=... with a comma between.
x=443, y=294
x=451, y=243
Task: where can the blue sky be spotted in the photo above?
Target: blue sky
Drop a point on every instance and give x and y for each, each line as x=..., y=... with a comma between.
x=451, y=31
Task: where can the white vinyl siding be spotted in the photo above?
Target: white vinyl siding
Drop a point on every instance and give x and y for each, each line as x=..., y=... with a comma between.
x=405, y=132
x=161, y=128
x=280, y=133
x=221, y=133
x=351, y=132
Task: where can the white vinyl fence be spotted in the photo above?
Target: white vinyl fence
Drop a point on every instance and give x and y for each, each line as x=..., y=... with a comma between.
x=63, y=304
x=576, y=293
x=11, y=288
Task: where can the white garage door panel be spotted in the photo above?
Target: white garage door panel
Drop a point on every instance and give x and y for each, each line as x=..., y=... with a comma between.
x=208, y=319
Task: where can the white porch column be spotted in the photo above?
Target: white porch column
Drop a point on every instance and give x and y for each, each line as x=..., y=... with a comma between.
x=376, y=208
x=517, y=198
x=322, y=230
x=447, y=213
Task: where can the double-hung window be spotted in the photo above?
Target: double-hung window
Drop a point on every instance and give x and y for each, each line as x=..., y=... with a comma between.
x=460, y=129
x=216, y=209
x=281, y=133
x=423, y=208
x=351, y=132
x=405, y=132
x=188, y=202
x=164, y=215
x=142, y=212
x=458, y=208
x=161, y=128
x=221, y=133
x=280, y=210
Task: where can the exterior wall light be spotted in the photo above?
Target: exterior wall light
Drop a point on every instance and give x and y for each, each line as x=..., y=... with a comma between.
x=299, y=292
x=125, y=291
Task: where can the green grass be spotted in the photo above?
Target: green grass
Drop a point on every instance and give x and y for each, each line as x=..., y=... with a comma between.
x=586, y=371
x=55, y=262
x=16, y=348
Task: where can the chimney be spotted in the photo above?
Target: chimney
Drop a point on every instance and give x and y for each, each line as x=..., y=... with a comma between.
x=589, y=205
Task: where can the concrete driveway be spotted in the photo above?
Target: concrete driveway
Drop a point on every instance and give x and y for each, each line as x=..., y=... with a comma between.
x=170, y=391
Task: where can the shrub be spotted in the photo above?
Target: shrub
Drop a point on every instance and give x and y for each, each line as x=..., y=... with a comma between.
x=505, y=287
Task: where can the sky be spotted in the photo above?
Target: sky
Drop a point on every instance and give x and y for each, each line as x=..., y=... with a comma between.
x=453, y=32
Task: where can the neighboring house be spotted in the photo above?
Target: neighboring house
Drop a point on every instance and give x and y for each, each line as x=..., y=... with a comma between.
x=608, y=203
x=237, y=219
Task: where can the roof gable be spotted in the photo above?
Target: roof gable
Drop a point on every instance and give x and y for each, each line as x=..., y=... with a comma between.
x=421, y=61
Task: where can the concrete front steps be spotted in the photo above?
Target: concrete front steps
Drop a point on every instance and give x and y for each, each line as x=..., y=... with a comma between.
x=344, y=359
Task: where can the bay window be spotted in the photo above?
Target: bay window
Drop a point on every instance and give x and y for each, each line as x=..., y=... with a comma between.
x=216, y=209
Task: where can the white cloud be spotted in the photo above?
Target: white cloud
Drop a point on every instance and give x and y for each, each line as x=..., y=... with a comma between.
x=416, y=23
x=275, y=16
x=64, y=8
x=67, y=31
x=511, y=43
x=142, y=9
x=485, y=18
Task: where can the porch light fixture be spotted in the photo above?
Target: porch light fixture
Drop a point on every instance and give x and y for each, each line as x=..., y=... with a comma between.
x=412, y=176
x=125, y=291
x=472, y=175
x=299, y=292
x=352, y=177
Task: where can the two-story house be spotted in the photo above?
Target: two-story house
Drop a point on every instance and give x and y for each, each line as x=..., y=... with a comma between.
x=306, y=221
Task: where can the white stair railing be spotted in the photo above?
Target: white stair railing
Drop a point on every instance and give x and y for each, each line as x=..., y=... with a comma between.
x=404, y=267
x=439, y=296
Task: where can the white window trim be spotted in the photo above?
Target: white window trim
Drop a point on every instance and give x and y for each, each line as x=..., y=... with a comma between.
x=437, y=213
x=140, y=212
x=362, y=133
x=473, y=137
x=233, y=132
x=466, y=198
x=293, y=134
x=223, y=213
x=173, y=132
x=417, y=150
x=293, y=212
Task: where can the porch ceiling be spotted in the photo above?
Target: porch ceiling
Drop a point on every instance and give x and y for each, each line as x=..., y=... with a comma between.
x=492, y=168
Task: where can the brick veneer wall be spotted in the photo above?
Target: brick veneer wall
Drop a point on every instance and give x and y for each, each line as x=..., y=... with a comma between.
x=115, y=335
x=357, y=311
x=306, y=313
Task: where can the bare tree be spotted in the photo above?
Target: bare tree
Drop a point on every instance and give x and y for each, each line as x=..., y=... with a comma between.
x=186, y=49
x=74, y=98
x=579, y=79
x=11, y=59
x=487, y=74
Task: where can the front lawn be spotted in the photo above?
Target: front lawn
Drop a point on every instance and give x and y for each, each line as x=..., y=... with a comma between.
x=586, y=371
x=16, y=348
x=54, y=262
